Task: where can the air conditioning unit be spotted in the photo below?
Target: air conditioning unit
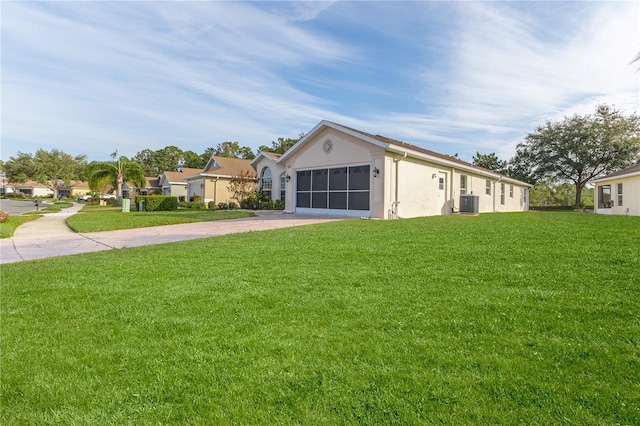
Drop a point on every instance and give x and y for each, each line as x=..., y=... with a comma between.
x=469, y=204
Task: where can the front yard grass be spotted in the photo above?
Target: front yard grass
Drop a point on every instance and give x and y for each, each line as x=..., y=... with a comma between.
x=526, y=318
x=9, y=227
x=95, y=219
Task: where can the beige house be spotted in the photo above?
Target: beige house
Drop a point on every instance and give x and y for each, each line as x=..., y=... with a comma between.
x=34, y=189
x=337, y=170
x=619, y=192
x=174, y=183
x=75, y=188
x=212, y=183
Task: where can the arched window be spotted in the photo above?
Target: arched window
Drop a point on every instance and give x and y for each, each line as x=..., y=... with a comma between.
x=266, y=183
x=283, y=183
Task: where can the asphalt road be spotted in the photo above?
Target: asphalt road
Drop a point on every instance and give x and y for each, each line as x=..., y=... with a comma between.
x=16, y=208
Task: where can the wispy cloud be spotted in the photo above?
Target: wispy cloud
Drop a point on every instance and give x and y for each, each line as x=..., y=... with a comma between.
x=88, y=77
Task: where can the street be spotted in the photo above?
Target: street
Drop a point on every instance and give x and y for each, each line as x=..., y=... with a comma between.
x=16, y=208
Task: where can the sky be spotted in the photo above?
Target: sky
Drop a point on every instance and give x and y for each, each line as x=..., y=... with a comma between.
x=456, y=77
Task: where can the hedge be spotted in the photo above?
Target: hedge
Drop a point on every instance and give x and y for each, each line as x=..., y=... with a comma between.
x=155, y=203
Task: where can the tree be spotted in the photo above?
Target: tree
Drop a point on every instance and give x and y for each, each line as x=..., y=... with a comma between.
x=233, y=150
x=53, y=168
x=490, y=162
x=154, y=163
x=195, y=161
x=281, y=145
x=580, y=148
x=116, y=173
x=242, y=186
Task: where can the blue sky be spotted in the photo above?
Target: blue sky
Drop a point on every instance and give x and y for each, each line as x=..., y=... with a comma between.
x=451, y=76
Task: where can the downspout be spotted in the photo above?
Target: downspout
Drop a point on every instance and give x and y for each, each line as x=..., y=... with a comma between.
x=394, y=205
x=453, y=201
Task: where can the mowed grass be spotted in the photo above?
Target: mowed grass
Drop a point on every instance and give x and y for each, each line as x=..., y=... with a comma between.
x=526, y=318
x=95, y=218
x=8, y=228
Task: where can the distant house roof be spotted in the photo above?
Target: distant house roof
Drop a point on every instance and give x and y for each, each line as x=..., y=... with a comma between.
x=271, y=155
x=629, y=171
x=152, y=182
x=77, y=184
x=179, y=177
x=225, y=167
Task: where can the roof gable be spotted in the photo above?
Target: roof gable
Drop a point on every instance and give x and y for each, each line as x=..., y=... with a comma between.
x=225, y=166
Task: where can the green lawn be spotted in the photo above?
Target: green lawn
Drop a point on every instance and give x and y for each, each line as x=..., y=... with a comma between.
x=9, y=227
x=526, y=318
x=95, y=219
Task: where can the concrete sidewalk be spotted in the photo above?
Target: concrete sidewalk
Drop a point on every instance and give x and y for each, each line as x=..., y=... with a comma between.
x=49, y=236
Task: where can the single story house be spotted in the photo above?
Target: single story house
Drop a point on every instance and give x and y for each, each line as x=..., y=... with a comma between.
x=337, y=170
x=34, y=189
x=74, y=188
x=174, y=183
x=212, y=183
x=151, y=186
x=618, y=192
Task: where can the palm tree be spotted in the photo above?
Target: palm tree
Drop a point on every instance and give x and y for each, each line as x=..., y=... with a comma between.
x=116, y=172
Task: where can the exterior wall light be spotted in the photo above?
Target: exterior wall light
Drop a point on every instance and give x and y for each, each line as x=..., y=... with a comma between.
x=376, y=172
x=287, y=178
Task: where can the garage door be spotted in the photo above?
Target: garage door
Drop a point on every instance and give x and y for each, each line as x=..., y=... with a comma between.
x=339, y=190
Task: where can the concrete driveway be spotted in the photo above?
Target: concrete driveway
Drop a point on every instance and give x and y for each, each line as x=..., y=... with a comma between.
x=50, y=237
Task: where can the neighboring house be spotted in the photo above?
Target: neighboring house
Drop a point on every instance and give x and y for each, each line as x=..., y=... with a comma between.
x=272, y=176
x=34, y=189
x=75, y=188
x=618, y=192
x=212, y=183
x=337, y=170
x=152, y=186
x=174, y=183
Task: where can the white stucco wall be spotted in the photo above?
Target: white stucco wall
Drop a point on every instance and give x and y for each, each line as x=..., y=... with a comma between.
x=346, y=150
x=630, y=196
x=276, y=171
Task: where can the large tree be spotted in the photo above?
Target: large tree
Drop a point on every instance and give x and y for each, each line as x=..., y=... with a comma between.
x=116, y=172
x=233, y=150
x=154, y=163
x=580, y=148
x=490, y=162
x=281, y=145
x=53, y=168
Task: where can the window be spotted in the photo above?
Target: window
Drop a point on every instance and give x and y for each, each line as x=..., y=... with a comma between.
x=266, y=182
x=620, y=194
x=441, y=184
x=463, y=184
x=502, y=194
x=283, y=183
x=488, y=187
x=341, y=188
x=604, y=197
x=510, y=191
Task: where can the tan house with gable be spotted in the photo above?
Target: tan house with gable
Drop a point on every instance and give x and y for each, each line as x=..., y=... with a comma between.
x=174, y=183
x=337, y=170
x=619, y=192
x=212, y=183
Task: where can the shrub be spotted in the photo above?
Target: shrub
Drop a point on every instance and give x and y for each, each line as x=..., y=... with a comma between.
x=211, y=205
x=232, y=206
x=223, y=206
x=4, y=216
x=196, y=198
x=193, y=205
x=153, y=203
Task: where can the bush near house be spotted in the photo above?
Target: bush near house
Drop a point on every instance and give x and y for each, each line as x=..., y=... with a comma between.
x=154, y=203
x=193, y=205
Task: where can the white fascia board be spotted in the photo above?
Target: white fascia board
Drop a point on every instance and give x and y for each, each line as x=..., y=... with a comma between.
x=624, y=176
x=453, y=164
